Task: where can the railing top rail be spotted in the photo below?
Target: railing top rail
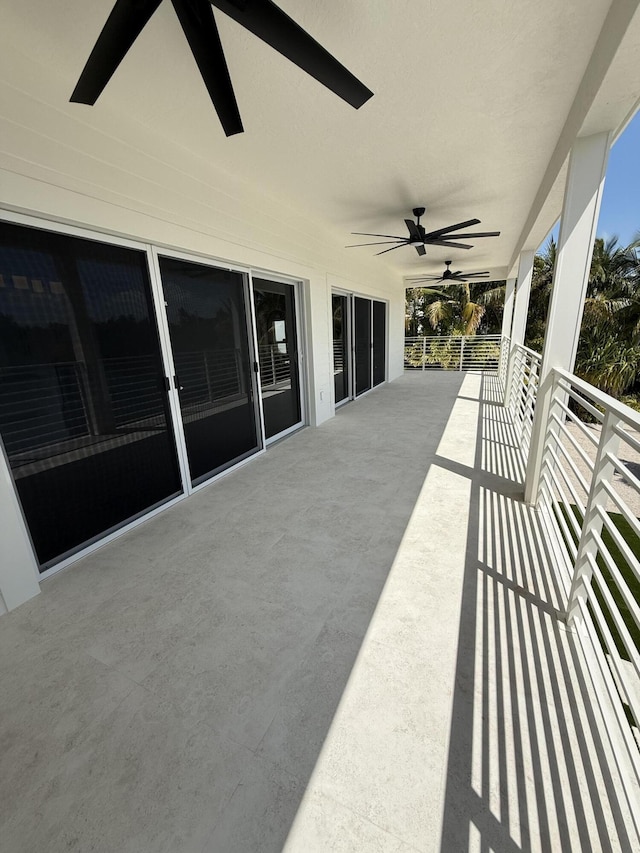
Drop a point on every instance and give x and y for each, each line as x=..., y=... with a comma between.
x=620, y=410
x=528, y=351
x=452, y=337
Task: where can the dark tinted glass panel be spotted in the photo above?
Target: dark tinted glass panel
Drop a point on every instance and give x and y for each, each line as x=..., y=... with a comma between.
x=362, y=330
x=340, y=348
x=206, y=309
x=379, y=335
x=278, y=355
x=83, y=406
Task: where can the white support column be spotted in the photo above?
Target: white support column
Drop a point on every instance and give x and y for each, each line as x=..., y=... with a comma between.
x=507, y=312
x=520, y=311
x=507, y=317
x=523, y=292
x=580, y=210
x=18, y=570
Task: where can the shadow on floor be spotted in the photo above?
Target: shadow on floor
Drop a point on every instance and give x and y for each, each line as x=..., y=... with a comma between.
x=525, y=769
x=171, y=692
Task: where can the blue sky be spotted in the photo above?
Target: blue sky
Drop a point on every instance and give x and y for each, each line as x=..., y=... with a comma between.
x=620, y=208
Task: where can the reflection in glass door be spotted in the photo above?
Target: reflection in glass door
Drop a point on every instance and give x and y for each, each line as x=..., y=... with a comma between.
x=84, y=415
x=363, y=343
x=209, y=331
x=341, y=360
x=278, y=355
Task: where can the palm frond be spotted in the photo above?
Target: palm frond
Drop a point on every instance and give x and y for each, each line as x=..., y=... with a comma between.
x=472, y=315
x=495, y=296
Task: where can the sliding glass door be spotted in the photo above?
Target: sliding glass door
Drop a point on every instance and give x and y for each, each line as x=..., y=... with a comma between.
x=208, y=322
x=275, y=310
x=84, y=416
x=379, y=348
x=359, y=344
x=341, y=359
x=109, y=410
x=362, y=343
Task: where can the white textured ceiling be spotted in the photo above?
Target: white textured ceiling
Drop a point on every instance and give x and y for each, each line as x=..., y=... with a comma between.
x=470, y=100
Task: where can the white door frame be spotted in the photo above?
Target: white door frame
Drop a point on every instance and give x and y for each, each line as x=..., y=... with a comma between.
x=347, y=329
x=163, y=322
x=300, y=347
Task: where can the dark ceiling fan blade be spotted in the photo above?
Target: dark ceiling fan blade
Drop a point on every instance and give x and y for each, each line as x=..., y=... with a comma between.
x=474, y=274
x=414, y=231
x=384, y=251
x=421, y=250
x=470, y=236
x=381, y=243
x=390, y=236
x=199, y=27
x=268, y=22
x=425, y=278
x=123, y=26
x=442, y=231
x=446, y=243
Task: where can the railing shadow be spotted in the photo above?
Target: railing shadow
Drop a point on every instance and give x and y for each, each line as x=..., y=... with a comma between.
x=527, y=769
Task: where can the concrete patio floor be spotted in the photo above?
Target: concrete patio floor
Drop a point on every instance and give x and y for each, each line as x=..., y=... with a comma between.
x=349, y=644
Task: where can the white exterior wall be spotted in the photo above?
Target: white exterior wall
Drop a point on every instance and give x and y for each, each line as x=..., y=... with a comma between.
x=125, y=193
x=18, y=570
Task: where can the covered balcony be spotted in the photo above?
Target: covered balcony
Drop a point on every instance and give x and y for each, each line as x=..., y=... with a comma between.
x=357, y=642
x=262, y=588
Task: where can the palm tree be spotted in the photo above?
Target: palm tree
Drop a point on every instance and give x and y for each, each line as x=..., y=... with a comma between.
x=456, y=313
x=609, y=346
x=609, y=361
x=543, y=267
x=491, y=295
x=416, y=301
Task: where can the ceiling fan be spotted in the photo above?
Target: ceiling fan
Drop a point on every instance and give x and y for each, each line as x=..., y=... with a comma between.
x=448, y=276
x=419, y=238
x=261, y=17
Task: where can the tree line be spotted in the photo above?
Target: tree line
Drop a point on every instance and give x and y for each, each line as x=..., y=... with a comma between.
x=609, y=345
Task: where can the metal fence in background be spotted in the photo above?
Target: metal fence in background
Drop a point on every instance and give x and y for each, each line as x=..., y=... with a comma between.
x=452, y=352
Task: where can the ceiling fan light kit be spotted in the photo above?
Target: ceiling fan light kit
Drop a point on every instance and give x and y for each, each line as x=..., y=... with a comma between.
x=261, y=17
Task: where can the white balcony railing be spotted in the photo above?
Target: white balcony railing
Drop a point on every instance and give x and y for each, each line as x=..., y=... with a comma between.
x=523, y=373
x=588, y=494
x=452, y=352
x=503, y=367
